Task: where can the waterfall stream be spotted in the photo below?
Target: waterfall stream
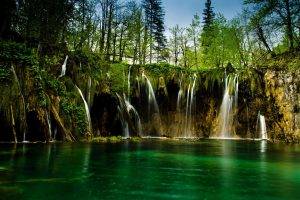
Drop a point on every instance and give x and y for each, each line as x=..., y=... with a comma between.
x=89, y=91
x=23, y=102
x=151, y=95
x=180, y=96
x=187, y=109
x=261, y=120
x=49, y=126
x=128, y=82
x=188, y=132
x=64, y=67
x=228, y=107
x=87, y=111
x=125, y=110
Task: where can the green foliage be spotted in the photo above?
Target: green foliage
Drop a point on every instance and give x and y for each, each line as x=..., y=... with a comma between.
x=160, y=69
x=117, y=77
x=5, y=75
x=17, y=53
x=55, y=85
x=74, y=114
x=225, y=47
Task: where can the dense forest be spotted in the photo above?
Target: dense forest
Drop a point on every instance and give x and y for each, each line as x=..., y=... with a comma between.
x=134, y=32
x=51, y=48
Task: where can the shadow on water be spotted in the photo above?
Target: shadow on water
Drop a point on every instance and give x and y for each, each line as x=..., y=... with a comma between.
x=177, y=169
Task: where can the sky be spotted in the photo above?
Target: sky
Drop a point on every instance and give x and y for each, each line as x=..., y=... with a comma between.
x=181, y=12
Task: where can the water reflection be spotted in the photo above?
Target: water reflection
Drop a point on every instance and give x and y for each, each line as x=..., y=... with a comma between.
x=151, y=169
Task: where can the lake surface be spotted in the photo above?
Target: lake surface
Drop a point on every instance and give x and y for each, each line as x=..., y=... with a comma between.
x=152, y=169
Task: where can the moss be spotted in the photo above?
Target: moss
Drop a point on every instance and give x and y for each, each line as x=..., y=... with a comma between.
x=74, y=114
x=5, y=75
x=16, y=52
x=136, y=139
x=113, y=139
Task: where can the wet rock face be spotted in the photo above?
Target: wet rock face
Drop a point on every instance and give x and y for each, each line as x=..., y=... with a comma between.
x=282, y=91
x=273, y=94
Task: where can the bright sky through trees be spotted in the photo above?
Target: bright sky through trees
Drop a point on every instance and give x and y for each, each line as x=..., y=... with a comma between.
x=181, y=12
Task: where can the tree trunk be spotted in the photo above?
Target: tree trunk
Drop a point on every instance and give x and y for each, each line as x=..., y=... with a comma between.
x=120, y=44
x=13, y=124
x=68, y=135
x=261, y=37
x=289, y=27
x=109, y=30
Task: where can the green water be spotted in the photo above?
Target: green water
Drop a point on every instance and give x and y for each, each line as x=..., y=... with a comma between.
x=152, y=169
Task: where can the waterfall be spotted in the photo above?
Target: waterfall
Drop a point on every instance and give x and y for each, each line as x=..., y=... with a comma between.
x=23, y=102
x=128, y=82
x=262, y=127
x=13, y=124
x=151, y=95
x=123, y=122
x=228, y=107
x=87, y=111
x=89, y=91
x=189, y=106
x=125, y=109
x=180, y=95
x=137, y=117
x=187, y=111
x=49, y=126
x=64, y=67
x=55, y=133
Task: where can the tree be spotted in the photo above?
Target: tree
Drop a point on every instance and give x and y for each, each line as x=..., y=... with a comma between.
x=278, y=14
x=45, y=21
x=193, y=33
x=7, y=12
x=208, y=20
x=154, y=19
x=208, y=16
x=183, y=38
x=175, y=42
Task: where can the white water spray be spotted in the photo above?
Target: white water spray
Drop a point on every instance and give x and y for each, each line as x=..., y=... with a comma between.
x=229, y=107
x=128, y=82
x=180, y=96
x=151, y=95
x=89, y=91
x=23, y=101
x=125, y=109
x=189, y=106
x=87, y=111
x=49, y=126
x=64, y=67
x=262, y=127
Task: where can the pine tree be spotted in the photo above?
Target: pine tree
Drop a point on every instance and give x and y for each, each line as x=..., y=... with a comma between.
x=208, y=21
x=154, y=17
x=208, y=15
x=7, y=12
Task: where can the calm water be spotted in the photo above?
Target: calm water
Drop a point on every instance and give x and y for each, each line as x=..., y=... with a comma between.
x=153, y=169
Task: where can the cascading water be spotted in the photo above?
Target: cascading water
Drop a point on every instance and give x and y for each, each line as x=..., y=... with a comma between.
x=180, y=96
x=151, y=96
x=55, y=133
x=190, y=102
x=262, y=127
x=49, y=126
x=64, y=67
x=128, y=82
x=136, y=114
x=89, y=91
x=186, y=110
x=153, y=109
x=87, y=111
x=23, y=102
x=228, y=107
x=125, y=109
